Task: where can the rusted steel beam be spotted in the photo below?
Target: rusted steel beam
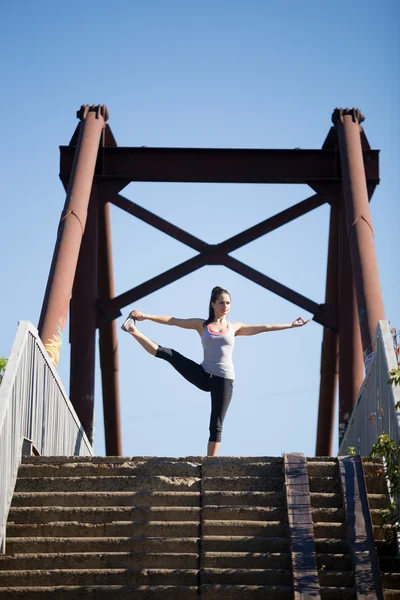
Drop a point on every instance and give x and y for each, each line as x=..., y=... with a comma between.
x=108, y=342
x=231, y=244
x=112, y=309
x=328, y=381
x=359, y=225
x=205, y=165
x=272, y=223
x=351, y=366
x=271, y=285
x=158, y=222
x=70, y=232
x=83, y=322
x=301, y=529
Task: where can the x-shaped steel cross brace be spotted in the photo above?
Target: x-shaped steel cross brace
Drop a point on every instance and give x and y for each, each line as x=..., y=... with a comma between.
x=218, y=254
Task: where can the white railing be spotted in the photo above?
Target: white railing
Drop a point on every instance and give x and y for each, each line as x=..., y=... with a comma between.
x=33, y=405
x=375, y=410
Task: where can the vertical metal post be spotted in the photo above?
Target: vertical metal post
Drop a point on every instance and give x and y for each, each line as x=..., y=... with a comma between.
x=351, y=367
x=359, y=225
x=83, y=321
x=70, y=232
x=108, y=339
x=328, y=384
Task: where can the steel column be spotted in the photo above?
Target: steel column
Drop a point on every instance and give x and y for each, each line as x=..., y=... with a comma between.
x=83, y=321
x=70, y=232
x=351, y=367
x=328, y=384
x=359, y=225
x=108, y=340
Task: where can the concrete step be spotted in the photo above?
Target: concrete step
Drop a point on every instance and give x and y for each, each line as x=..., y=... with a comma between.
x=330, y=562
x=237, y=543
x=391, y=580
x=247, y=513
x=325, y=484
x=338, y=593
x=246, y=498
x=245, y=592
x=127, y=469
x=141, y=498
x=376, y=485
x=104, y=560
x=242, y=560
x=257, y=484
x=336, y=578
x=102, y=514
x=270, y=577
x=61, y=460
x=102, y=544
x=115, y=529
x=56, y=577
x=96, y=592
x=378, y=501
x=327, y=514
x=389, y=564
x=242, y=469
x=116, y=484
x=326, y=468
x=245, y=528
x=380, y=532
x=330, y=545
x=330, y=530
x=326, y=499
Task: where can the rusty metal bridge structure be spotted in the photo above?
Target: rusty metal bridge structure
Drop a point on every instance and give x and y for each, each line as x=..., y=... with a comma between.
x=94, y=170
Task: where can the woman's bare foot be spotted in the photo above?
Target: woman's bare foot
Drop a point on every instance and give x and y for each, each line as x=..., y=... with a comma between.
x=129, y=325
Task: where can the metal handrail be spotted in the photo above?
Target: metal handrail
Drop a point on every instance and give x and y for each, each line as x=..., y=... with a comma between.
x=33, y=405
x=375, y=410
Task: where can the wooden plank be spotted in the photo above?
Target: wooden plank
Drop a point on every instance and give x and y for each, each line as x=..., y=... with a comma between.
x=360, y=532
x=301, y=528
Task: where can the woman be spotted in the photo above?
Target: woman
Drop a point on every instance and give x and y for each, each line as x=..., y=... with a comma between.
x=216, y=373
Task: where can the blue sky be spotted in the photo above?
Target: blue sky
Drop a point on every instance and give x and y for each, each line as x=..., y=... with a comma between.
x=255, y=74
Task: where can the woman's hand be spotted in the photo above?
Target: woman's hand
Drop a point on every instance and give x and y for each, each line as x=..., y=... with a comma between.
x=137, y=315
x=300, y=322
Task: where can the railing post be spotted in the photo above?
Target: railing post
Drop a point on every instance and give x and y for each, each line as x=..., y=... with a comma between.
x=72, y=226
x=359, y=225
x=328, y=384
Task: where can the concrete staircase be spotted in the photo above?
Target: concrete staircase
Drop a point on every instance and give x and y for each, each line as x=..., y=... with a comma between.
x=174, y=529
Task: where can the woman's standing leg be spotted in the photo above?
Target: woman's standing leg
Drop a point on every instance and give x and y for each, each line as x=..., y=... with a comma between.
x=221, y=395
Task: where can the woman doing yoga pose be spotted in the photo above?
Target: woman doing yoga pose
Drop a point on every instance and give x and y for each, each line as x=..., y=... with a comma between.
x=216, y=373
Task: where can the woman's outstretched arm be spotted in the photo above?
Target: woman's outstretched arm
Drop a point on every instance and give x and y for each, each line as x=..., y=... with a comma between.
x=196, y=324
x=242, y=329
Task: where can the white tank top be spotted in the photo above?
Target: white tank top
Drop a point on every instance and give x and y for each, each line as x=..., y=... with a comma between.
x=218, y=349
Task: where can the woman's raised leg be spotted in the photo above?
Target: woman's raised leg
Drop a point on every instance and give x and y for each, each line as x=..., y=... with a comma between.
x=150, y=346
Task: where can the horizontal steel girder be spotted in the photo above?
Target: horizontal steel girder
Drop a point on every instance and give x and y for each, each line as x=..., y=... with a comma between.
x=205, y=165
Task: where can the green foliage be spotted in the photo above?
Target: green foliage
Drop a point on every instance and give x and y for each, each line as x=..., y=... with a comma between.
x=394, y=376
x=351, y=450
x=389, y=451
x=3, y=363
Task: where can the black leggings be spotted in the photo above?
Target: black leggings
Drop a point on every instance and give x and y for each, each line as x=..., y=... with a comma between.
x=221, y=389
